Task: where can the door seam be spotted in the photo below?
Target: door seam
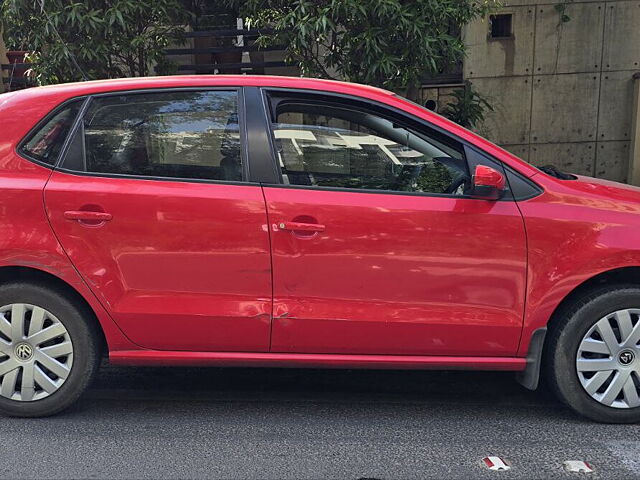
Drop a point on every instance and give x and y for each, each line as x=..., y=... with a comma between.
x=271, y=318
x=526, y=277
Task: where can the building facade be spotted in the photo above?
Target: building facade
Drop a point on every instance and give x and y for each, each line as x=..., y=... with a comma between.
x=562, y=78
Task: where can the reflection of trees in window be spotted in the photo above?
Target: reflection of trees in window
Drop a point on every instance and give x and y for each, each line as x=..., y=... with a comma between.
x=132, y=133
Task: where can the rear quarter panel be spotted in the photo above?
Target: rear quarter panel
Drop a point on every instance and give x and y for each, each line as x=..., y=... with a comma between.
x=26, y=238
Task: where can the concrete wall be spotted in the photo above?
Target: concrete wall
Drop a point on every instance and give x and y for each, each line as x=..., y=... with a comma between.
x=441, y=94
x=562, y=91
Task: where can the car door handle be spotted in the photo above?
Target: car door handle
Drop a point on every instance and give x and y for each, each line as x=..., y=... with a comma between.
x=301, y=227
x=85, y=215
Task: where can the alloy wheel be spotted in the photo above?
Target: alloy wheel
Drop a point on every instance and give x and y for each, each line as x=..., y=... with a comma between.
x=36, y=352
x=608, y=360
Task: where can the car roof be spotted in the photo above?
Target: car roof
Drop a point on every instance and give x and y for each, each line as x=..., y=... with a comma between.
x=176, y=81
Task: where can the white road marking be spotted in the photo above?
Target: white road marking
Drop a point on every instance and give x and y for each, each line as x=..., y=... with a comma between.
x=577, y=466
x=495, y=463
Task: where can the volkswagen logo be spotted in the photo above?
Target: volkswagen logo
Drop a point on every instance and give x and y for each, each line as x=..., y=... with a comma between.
x=626, y=357
x=24, y=351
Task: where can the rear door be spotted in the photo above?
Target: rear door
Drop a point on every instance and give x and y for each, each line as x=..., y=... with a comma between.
x=377, y=246
x=153, y=206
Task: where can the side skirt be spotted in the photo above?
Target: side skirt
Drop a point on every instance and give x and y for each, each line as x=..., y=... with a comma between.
x=307, y=360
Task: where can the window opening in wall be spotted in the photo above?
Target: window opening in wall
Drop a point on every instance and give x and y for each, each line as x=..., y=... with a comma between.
x=501, y=25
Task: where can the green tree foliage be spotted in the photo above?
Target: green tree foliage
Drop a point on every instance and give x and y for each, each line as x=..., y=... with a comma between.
x=394, y=44
x=107, y=38
x=468, y=107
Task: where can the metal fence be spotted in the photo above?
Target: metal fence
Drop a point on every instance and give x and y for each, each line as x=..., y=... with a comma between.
x=226, y=51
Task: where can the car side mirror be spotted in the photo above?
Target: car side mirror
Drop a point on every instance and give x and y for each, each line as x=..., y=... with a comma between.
x=488, y=183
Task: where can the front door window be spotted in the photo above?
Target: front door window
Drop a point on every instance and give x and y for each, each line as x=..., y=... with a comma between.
x=331, y=146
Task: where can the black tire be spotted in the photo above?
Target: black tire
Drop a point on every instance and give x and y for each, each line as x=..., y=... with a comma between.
x=565, y=336
x=86, y=347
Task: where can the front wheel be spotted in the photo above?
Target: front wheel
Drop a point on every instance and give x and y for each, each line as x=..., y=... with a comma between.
x=594, y=355
x=49, y=351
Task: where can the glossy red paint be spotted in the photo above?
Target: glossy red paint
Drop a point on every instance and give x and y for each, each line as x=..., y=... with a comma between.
x=180, y=266
x=396, y=274
x=488, y=177
x=384, y=281
x=576, y=230
x=27, y=240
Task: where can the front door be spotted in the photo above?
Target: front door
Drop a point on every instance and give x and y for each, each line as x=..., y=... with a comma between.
x=152, y=207
x=377, y=248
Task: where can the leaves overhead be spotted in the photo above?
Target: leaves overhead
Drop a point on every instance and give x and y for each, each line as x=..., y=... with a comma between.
x=468, y=107
x=107, y=38
x=389, y=43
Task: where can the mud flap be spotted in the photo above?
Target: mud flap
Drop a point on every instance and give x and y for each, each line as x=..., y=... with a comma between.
x=530, y=376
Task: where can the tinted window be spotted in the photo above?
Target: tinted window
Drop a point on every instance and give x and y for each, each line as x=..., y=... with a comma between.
x=332, y=146
x=176, y=134
x=46, y=143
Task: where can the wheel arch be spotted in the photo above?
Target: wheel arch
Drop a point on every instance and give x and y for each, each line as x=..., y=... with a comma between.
x=10, y=274
x=538, y=342
x=617, y=276
x=111, y=337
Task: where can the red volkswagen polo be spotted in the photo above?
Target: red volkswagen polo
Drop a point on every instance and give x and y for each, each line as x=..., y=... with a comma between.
x=265, y=221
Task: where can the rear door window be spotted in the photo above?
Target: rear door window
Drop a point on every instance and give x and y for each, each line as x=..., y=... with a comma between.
x=190, y=134
x=46, y=142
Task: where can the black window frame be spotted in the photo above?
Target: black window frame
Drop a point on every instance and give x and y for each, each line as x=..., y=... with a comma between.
x=246, y=168
x=411, y=121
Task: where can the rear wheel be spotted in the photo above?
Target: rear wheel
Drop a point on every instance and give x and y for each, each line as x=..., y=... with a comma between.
x=49, y=352
x=594, y=355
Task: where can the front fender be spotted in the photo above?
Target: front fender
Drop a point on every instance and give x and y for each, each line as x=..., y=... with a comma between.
x=571, y=240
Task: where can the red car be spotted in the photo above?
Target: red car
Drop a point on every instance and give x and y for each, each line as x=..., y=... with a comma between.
x=266, y=221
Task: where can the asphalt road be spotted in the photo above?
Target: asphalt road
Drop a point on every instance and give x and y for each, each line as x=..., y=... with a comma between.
x=297, y=424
